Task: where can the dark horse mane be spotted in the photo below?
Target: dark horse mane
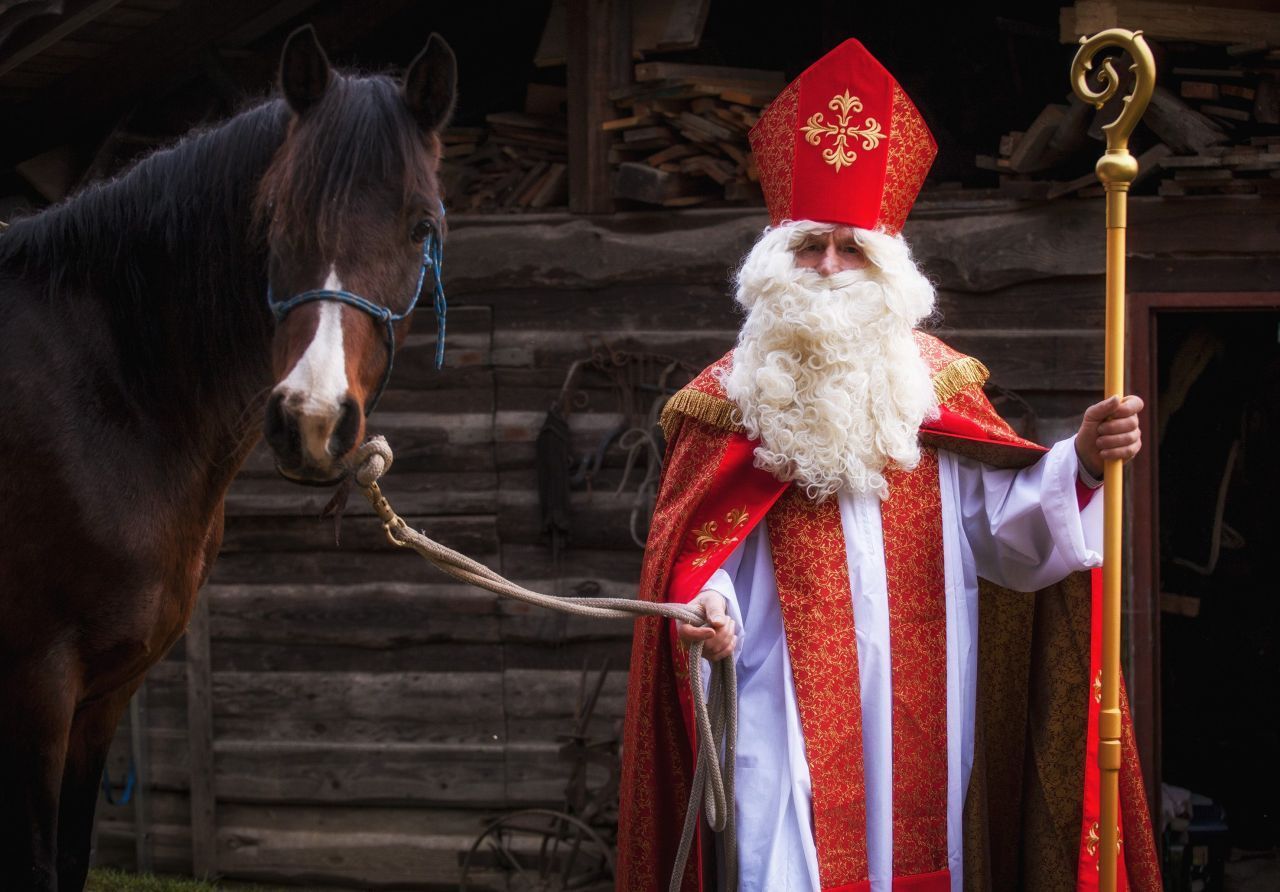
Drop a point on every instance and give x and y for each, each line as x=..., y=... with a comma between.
x=175, y=247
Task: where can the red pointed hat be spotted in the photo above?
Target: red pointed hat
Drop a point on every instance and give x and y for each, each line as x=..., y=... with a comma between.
x=843, y=144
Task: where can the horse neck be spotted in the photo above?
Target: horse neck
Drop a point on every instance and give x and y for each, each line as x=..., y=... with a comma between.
x=170, y=255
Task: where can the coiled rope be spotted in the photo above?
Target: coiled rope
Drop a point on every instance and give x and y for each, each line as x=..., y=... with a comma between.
x=715, y=710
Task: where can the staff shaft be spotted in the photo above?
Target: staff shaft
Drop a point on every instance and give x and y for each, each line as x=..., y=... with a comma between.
x=1116, y=170
x=1113, y=532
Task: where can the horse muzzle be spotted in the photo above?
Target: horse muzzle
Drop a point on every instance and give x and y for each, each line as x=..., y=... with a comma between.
x=310, y=439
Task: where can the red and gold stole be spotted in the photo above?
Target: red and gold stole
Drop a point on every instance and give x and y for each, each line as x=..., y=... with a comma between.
x=811, y=566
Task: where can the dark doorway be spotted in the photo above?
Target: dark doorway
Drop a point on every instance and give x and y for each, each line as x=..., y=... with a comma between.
x=1216, y=422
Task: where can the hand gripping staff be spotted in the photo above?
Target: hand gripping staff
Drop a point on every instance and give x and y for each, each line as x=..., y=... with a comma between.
x=715, y=710
x=1116, y=169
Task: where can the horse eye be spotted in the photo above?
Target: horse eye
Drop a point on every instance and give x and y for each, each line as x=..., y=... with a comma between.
x=420, y=231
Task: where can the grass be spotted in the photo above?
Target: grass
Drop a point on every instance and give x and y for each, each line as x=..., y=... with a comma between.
x=120, y=881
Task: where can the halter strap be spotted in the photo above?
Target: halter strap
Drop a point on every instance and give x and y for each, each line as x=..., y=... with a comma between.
x=432, y=258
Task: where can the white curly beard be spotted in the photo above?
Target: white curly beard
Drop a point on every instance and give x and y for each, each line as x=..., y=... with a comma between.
x=826, y=373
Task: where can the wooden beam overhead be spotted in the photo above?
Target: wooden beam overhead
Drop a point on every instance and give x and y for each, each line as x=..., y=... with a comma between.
x=268, y=20
x=151, y=62
x=39, y=39
x=599, y=59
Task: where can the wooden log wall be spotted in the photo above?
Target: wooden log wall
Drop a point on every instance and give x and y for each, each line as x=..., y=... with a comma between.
x=367, y=714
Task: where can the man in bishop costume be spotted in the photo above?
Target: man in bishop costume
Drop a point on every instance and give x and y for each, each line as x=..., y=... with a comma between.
x=908, y=588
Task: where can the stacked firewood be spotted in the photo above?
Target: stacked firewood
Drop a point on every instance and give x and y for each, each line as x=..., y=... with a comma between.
x=1243, y=101
x=518, y=161
x=681, y=134
x=1212, y=127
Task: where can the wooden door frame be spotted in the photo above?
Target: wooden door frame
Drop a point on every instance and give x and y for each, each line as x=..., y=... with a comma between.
x=1142, y=615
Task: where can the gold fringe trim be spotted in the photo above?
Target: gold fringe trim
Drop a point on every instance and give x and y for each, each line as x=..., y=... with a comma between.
x=964, y=372
x=699, y=406
x=718, y=412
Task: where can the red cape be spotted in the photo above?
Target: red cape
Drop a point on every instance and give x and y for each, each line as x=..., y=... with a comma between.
x=1038, y=655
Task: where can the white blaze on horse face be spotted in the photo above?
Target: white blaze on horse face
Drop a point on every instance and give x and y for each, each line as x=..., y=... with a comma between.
x=317, y=385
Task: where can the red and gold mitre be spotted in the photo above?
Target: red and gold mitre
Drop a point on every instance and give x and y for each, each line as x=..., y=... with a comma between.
x=843, y=144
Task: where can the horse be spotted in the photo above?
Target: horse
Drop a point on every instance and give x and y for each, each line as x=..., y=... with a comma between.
x=253, y=278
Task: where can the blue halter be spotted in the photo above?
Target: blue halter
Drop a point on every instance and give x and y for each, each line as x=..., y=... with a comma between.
x=432, y=258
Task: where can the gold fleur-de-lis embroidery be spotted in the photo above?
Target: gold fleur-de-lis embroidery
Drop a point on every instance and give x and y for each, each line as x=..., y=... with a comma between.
x=708, y=540
x=1093, y=839
x=841, y=154
x=1097, y=687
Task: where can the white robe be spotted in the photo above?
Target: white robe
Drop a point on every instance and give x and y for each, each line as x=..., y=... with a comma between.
x=1019, y=529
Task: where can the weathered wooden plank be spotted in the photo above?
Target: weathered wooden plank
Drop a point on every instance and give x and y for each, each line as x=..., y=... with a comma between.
x=49, y=32
x=633, y=248
x=465, y=357
x=592, y=570
x=1070, y=302
x=418, y=850
x=598, y=45
x=425, y=859
x=559, y=348
x=429, y=707
x=171, y=848
x=600, y=518
x=171, y=808
x=537, y=772
x=551, y=694
x=336, y=567
x=450, y=656
x=443, y=492
x=613, y=308
x=1035, y=360
x=199, y=744
x=140, y=756
x=369, y=615
x=962, y=251
x=1252, y=272
x=350, y=773
x=467, y=533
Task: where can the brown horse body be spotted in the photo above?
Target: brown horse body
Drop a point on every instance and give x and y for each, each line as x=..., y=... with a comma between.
x=136, y=353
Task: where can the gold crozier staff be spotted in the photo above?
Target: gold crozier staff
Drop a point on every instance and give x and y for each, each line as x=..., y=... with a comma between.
x=1116, y=169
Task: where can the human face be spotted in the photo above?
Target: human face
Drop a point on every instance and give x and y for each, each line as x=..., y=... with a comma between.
x=830, y=252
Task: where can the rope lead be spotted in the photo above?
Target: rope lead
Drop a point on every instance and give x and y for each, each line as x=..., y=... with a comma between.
x=715, y=709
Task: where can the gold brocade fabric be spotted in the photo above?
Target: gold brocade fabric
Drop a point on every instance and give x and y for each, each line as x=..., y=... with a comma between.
x=773, y=144
x=916, y=578
x=807, y=542
x=911, y=153
x=658, y=768
x=1024, y=807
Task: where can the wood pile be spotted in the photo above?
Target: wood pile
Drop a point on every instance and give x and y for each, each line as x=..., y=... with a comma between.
x=517, y=162
x=681, y=133
x=1212, y=128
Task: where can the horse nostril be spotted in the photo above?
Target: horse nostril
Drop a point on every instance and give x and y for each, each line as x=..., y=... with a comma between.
x=345, y=432
x=281, y=432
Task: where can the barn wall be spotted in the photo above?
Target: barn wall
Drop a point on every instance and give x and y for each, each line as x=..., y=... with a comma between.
x=369, y=715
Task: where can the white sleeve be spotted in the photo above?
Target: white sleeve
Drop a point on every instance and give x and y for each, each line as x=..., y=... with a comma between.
x=1024, y=527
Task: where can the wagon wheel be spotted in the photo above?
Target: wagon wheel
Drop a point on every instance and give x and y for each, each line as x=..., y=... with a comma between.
x=538, y=850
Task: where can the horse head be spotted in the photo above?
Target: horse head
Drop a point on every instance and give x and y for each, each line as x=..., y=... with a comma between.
x=354, y=223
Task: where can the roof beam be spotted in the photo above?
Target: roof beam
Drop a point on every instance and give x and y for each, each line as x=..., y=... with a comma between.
x=43, y=38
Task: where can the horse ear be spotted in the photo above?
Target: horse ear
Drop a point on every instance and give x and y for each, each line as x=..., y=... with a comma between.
x=304, y=70
x=431, y=84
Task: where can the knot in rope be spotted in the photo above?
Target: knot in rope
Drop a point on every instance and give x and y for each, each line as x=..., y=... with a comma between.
x=715, y=707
